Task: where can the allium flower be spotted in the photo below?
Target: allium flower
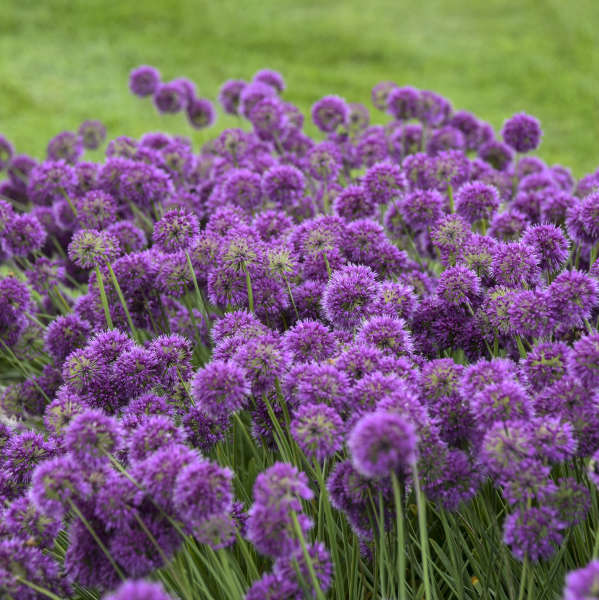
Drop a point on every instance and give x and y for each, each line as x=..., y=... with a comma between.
x=550, y=245
x=200, y=113
x=515, y=264
x=272, y=78
x=242, y=188
x=23, y=235
x=502, y=401
x=90, y=248
x=445, y=138
x=571, y=297
x=229, y=95
x=535, y=533
x=283, y=185
x=476, y=201
x=267, y=118
x=324, y=161
x=459, y=285
x=589, y=215
x=309, y=341
x=529, y=313
x=65, y=146
x=65, y=334
x=583, y=361
x=49, y=181
x=386, y=333
x=139, y=590
x=449, y=235
x=170, y=97
x=202, y=490
x=144, y=80
x=498, y=155
x=545, y=364
x=294, y=569
x=96, y=210
x=353, y=202
x=317, y=429
x=92, y=134
x=582, y=584
x=382, y=181
x=522, y=132
x=253, y=93
x=329, y=113
x=402, y=102
x=175, y=230
x=382, y=443
x=135, y=370
x=349, y=296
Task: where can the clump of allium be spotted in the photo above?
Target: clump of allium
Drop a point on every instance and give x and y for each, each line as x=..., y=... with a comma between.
x=243, y=188
x=317, y=429
x=477, y=201
x=395, y=299
x=549, y=244
x=170, y=97
x=65, y=146
x=144, y=80
x=329, y=113
x=449, y=236
x=91, y=248
x=309, y=341
x=545, y=364
x=387, y=333
x=349, y=295
x=402, y=102
x=382, y=444
x=229, y=94
x=65, y=334
x=522, y=132
x=353, y=203
x=175, y=230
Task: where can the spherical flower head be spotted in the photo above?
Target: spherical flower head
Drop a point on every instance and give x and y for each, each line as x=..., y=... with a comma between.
x=220, y=388
x=522, y=132
x=266, y=116
x=136, y=371
x=550, y=245
x=349, y=296
x=200, y=113
x=283, y=185
x=469, y=125
x=6, y=152
x=282, y=485
x=583, y=361
x=533, y=533
x=582, y=584
x=382, y=181
x=92, y=134
x=433, y=109
x=90, y=248
x=476, y=201
x=324, y=161
x=153, y=433
x=445, y=138
x=459, y=286
x=65, y=146
x=353, y=202
x=122, y=147
x=46, y=274
x=309, y=341
x=317, y=429
x=503, y=401
x=95, y=210
x=589, y=215
x=203, y=489
x=449, y=235
x=175, y=230
x=272, y=78
x=402, y=102
x=92, y=435
x=545, y=364
x=380, y=94
x=572, y=296
x=243, y=188
x=65, y=334
x=498, y=155
x=319, y=384
x=386, y=333
x=395, y=299
x=382, y=444
x=55, y=483
x=251, y=94
x=529, y=314
x=515, y=264
x=329, y=113
x=229, y=95
x=170, y=98
x=144, y=80
x=49, y=181
x=371, y=148
x=130, y=237
x=139, y=590
x=23, y=235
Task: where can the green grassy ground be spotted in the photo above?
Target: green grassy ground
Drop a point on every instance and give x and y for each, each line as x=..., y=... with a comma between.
x=62, y=61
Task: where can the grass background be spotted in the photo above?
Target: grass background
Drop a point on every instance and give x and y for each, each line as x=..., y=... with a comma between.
x=63, y=61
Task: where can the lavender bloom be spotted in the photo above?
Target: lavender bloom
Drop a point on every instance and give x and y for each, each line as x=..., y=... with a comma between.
x=283, y=185
x=329, y=113
x=90, y=248
x=309, y=341
x=549, y=244
x=317, y=429
x=476, y=201
x=229, y=95
x=583, y=361
x=144, y=80
x=522, y=132
x=175, y=230
x=381, y=444
x=571, y=297
x=65, y=334
x=459, y=285
x=402, y=102
x=582, y=584
x=515, y=264
x=349, y=295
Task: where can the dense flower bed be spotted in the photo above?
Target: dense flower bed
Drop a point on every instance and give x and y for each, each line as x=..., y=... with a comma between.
x=282, y=368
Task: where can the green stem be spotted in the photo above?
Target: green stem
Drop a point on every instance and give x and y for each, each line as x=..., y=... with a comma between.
x=326, y=262
x=523, y=578
x=119, y=292
x=104, y=298
x=69, y=202
x=200, y=299
x=307, y=558
x=291, y=297
x=401, y=555
x=450, y=194
x=248, y=283
x=38, y=588
x=420, y=501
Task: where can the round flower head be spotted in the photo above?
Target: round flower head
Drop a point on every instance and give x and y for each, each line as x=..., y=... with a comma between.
x=433, y=109
x=91, y=435
x=498, y=155
x=550, y=245
x=324, y=161
x=90, y=248
x=272, y=78
x=349, y=295
x=139, y=590
x=476, y=201
x=46, y=274
x=283, y=185
x=545, y=364
x=152, y=433
x=386, y=333
x=65, y=146
x=92, y=134
x=122, y=146
x=353, y=202
x=459, y=285
x=144, y=80
x=582, y=584
x=251, y=94
x=317, y=429
x=528, y=312
x=380, y=94
x=18, y=170
x=23, y=234
x=6, y=152
x=383, y=181
x=229, y=95
x=515, y=264
x=589, y=215
x=402, y=102
x=522, y=132
x=469, y=125
x=450, y=235
x=95, y=210
x=583, y=361
x=445, y=138
x=49, y=181
x=371, y=148
x=359, y=117
x=571, y=297
x=175, y=230
x=65, y=334
x=135, y=370
x=395, y=299
x=200, y=113
x=329, y=113
x=130, y=237
x=242, y=188
x=267, y=118
x=503, y=401
x=170, y=98
x=309, y=341
x=220, y=388
x=382, y=444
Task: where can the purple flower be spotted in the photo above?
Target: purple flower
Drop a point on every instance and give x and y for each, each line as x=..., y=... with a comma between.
x=353, y=203
x=329, y=113
x=476, y=201
x=91, y=435
x=96, y=210
x=170, y=97
x=90, y=248
x=65, y=334
x=92, y=134
x=515, y=264
x=139, y=590
x=459, y=285
x=382, y=181
x=144, y=80
x=229, y=95
x=522, y=132
x=380, y=94
x=294, y=569
x=175, y=230
x=402, y=102
x=503, y=401
x=65, y=146
x=550, y=245
x=283, y=185
x=545, y=364
x=23, y=235
x=324, y=161
x=583, y=361
x=382, y=443
x=309, y=341
x=200, y=113
x=272, y=78
x=589, y=215
x=317, y=429
x=571, y=297
x=243, y=188
x=387, y=333
x=153, y=433
x=498, y=155
x=582, y=584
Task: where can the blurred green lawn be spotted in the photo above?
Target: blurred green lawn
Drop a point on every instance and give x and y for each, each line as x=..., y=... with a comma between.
x=63, y=61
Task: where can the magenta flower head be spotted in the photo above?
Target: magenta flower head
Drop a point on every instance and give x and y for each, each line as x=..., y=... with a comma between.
x=200, y=113
x=95, y=210
x=229, y=95
x=550, y=245
x=459, y=286
x=380, y=94
x=329, y=113
x=23, y=234
x=90, y=248
x=572, y=296
x=324, y=161
x=92, y=134
x=515, y=264
x=476, y=201
x=175, y=231
x=582, y=584
x=49, y=181
x=387, y=333
x=283, y=185
x=144, y=80
x=170, y=98
x=349, y=295
x=522, y=132
x=252, y=94
x=317, y=429
x=65, y=334
x=65, y=146
x=139, y=590
x=498, y=155
x=583, y=361
x=272, y=78
x=589, y=215
x=353, y=202
x=382, y=444
x=402, y=102
x=383, y=181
